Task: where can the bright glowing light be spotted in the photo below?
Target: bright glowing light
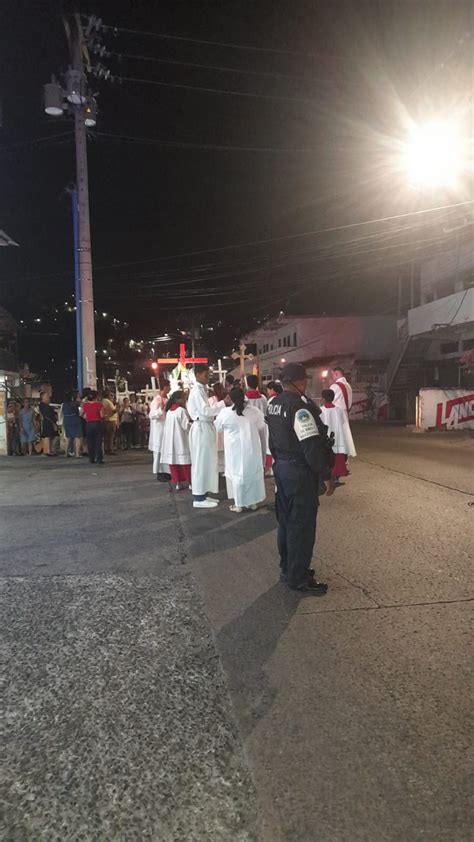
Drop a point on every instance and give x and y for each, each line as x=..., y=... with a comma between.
x=433, y=156
x=154, y=366
x=283, y=360
x=324, y=374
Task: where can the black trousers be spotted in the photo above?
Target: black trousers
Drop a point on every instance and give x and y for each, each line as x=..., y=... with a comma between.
x=95, y=437
x=296, y=509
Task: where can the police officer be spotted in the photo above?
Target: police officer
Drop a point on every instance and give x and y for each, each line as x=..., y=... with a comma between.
x=298, y=445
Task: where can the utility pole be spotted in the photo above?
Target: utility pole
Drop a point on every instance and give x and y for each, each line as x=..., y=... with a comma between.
x=77, y=100
x=86, y=302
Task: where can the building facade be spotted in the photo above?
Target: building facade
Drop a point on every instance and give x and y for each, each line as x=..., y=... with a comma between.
x=436, y=336
x=362, y=345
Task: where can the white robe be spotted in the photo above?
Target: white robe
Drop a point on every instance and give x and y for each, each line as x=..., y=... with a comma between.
x=337, y=422
x=244, y=448
x=175, y=444
x=261, y=403
x=203, y=441
x=157, y=427
x=339, y=395
x=220, y=441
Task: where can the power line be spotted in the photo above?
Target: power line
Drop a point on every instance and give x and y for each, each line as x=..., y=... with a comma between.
x=221, y=68
x=165, y=36
x=34, y=140
x=206, y=146
x=202, y=89
x=243, y=260
x=268, y=240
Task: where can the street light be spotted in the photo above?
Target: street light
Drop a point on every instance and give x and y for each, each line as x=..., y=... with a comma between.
x=434, y=154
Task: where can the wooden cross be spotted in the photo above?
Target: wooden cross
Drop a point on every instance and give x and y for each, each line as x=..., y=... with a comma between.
x=182, y=359
x=242, y=356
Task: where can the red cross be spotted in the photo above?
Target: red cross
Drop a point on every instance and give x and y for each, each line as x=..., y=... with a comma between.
x=183, y=359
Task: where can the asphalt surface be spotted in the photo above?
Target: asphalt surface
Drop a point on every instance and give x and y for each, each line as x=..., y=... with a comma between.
x=162, y=684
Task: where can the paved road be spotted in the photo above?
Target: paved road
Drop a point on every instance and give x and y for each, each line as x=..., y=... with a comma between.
x=336, y=719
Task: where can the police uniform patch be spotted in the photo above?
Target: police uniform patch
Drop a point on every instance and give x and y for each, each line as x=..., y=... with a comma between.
x=305, y=426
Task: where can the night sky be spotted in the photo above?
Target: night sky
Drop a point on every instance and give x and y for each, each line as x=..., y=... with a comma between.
x=317, y=151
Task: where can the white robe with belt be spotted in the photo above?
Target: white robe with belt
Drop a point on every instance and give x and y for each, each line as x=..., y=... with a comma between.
x=175, y=444
x=337, y=422
x=244, y=448
x=203, y=441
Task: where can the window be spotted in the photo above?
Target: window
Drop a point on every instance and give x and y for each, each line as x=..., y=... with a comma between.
x=468, y=344
x=271, y=347
x=284, y=341
x=294, y=339
x=449, y=347
x=279, y=343
x=288, y=343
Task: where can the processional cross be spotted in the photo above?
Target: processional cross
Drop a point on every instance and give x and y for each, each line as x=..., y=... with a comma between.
x=242, y=356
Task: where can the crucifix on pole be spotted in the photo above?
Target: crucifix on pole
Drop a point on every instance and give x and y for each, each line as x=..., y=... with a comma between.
x=242, y=356
x=182, y=359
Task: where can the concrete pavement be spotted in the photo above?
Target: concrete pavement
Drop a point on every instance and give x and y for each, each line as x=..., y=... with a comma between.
x=343, y=718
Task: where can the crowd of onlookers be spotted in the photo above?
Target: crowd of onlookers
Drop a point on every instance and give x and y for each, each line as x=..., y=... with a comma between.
x=41, y=428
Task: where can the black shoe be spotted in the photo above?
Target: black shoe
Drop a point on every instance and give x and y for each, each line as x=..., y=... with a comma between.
x=312, y=587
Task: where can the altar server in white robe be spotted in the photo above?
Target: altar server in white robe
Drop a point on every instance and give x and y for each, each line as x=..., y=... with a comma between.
x=255, y=398
x=175, y=445
x=203, y=440
x=337, y=422
x=243, y=426
x=157, y=425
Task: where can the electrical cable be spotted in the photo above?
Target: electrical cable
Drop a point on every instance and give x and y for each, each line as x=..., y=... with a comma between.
x=243, y=260
x=238, y=70
x=34, y=140
x=201, y=89
x=174, y=144
x=287, y=237
x=228, y=45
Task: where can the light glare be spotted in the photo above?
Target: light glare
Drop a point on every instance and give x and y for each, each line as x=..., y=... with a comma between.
x=433, y=156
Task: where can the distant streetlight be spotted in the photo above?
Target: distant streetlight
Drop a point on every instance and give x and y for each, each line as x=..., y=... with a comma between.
x=434, y=155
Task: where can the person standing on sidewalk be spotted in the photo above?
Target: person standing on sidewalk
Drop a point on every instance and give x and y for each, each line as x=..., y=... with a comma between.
x=72, y=425
x=93, y=411
x=203, y=440
x=49, y=424
x=303, y=459
x=110, y=422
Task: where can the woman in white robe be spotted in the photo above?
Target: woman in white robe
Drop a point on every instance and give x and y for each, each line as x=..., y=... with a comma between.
x=157, y=426
x=175, y=445
x=244, y=448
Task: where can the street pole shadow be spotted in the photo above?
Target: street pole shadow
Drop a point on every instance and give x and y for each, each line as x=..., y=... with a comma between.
x=246, y=644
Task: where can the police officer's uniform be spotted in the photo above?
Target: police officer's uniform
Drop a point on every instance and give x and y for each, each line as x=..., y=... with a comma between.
x=298, y=446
